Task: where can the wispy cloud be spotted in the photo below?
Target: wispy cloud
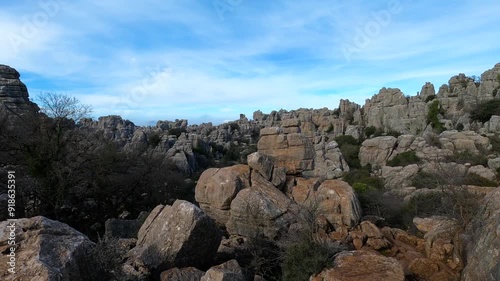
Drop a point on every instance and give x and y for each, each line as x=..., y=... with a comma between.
x=157, y=60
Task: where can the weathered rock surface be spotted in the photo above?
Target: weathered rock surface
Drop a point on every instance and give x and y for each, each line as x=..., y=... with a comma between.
x=217, y=188
x=399, y=177
x=441, y=240
x=338, y=203
x=483, y=249
x=228, y=271
x=14, y=98
x=46, y=250
x=180, y=235
x=183, y=274
x=261, y=210
x=376, y=151
x=302, y=155
x=362, y=266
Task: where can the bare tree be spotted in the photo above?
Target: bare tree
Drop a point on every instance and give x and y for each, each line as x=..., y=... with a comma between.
x=57, y=105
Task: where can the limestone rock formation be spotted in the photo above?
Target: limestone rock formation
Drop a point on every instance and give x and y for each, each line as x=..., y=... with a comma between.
x=376, y=151
x=399, y=177
x=362, y=266
x=302, y=155
x=483, y=248
x=14, y=98
x=46, y=250
x=391, y=110
x=338, y=203
x=180, y=235
x=261, y=210
x=293, y=151
x=217, y=188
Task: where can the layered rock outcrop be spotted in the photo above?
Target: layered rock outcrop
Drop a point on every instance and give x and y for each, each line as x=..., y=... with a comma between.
x=302, y=155
x=14, y=98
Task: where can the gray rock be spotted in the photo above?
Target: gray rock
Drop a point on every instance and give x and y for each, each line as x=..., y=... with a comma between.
x=180, y=235
x=183, y=274
x=46, y=250
x=228, y=271
x=483, y=248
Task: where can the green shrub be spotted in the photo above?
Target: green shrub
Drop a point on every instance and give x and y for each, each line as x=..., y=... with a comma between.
x=468, y=157
x=346, y=139
x=361, y=188
x=477, y=180
x=370, y=131
x=429, y=98
x=304, y=259
x=351, y=155
x=349, y=147
x=154, y=139
x=432, y=116
x=483, y=111
x=329, y=129
x=393, y=133
x=363, y=176
x=404, y=159
x=427, y=180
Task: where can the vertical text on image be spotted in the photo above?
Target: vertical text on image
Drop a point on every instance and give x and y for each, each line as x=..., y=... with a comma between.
x=11, y=227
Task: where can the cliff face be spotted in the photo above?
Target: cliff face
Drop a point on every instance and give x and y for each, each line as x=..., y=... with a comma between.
x=13, y=93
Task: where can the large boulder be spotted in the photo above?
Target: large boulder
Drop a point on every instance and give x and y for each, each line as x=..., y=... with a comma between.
x=362, y=266
x=228, y=271
x=180, y=235
x=217, y=188
x=399, y=177
x=338, y=203
x=376, y=151
x=46, y=250
x=483, y=249
x=464, y=141
x=261, y=210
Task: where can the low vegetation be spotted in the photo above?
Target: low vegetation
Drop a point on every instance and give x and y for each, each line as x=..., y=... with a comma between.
x=349, y=147
x=433, y=116
x=484, y=110
x=404, y=159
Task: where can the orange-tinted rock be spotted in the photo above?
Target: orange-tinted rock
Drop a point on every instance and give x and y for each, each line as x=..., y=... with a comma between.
x=362, y=266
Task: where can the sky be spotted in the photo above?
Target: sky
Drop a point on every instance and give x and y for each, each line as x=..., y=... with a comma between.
x=210, y=60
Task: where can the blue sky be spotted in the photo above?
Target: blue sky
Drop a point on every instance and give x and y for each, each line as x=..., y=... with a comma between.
x=210, y=60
